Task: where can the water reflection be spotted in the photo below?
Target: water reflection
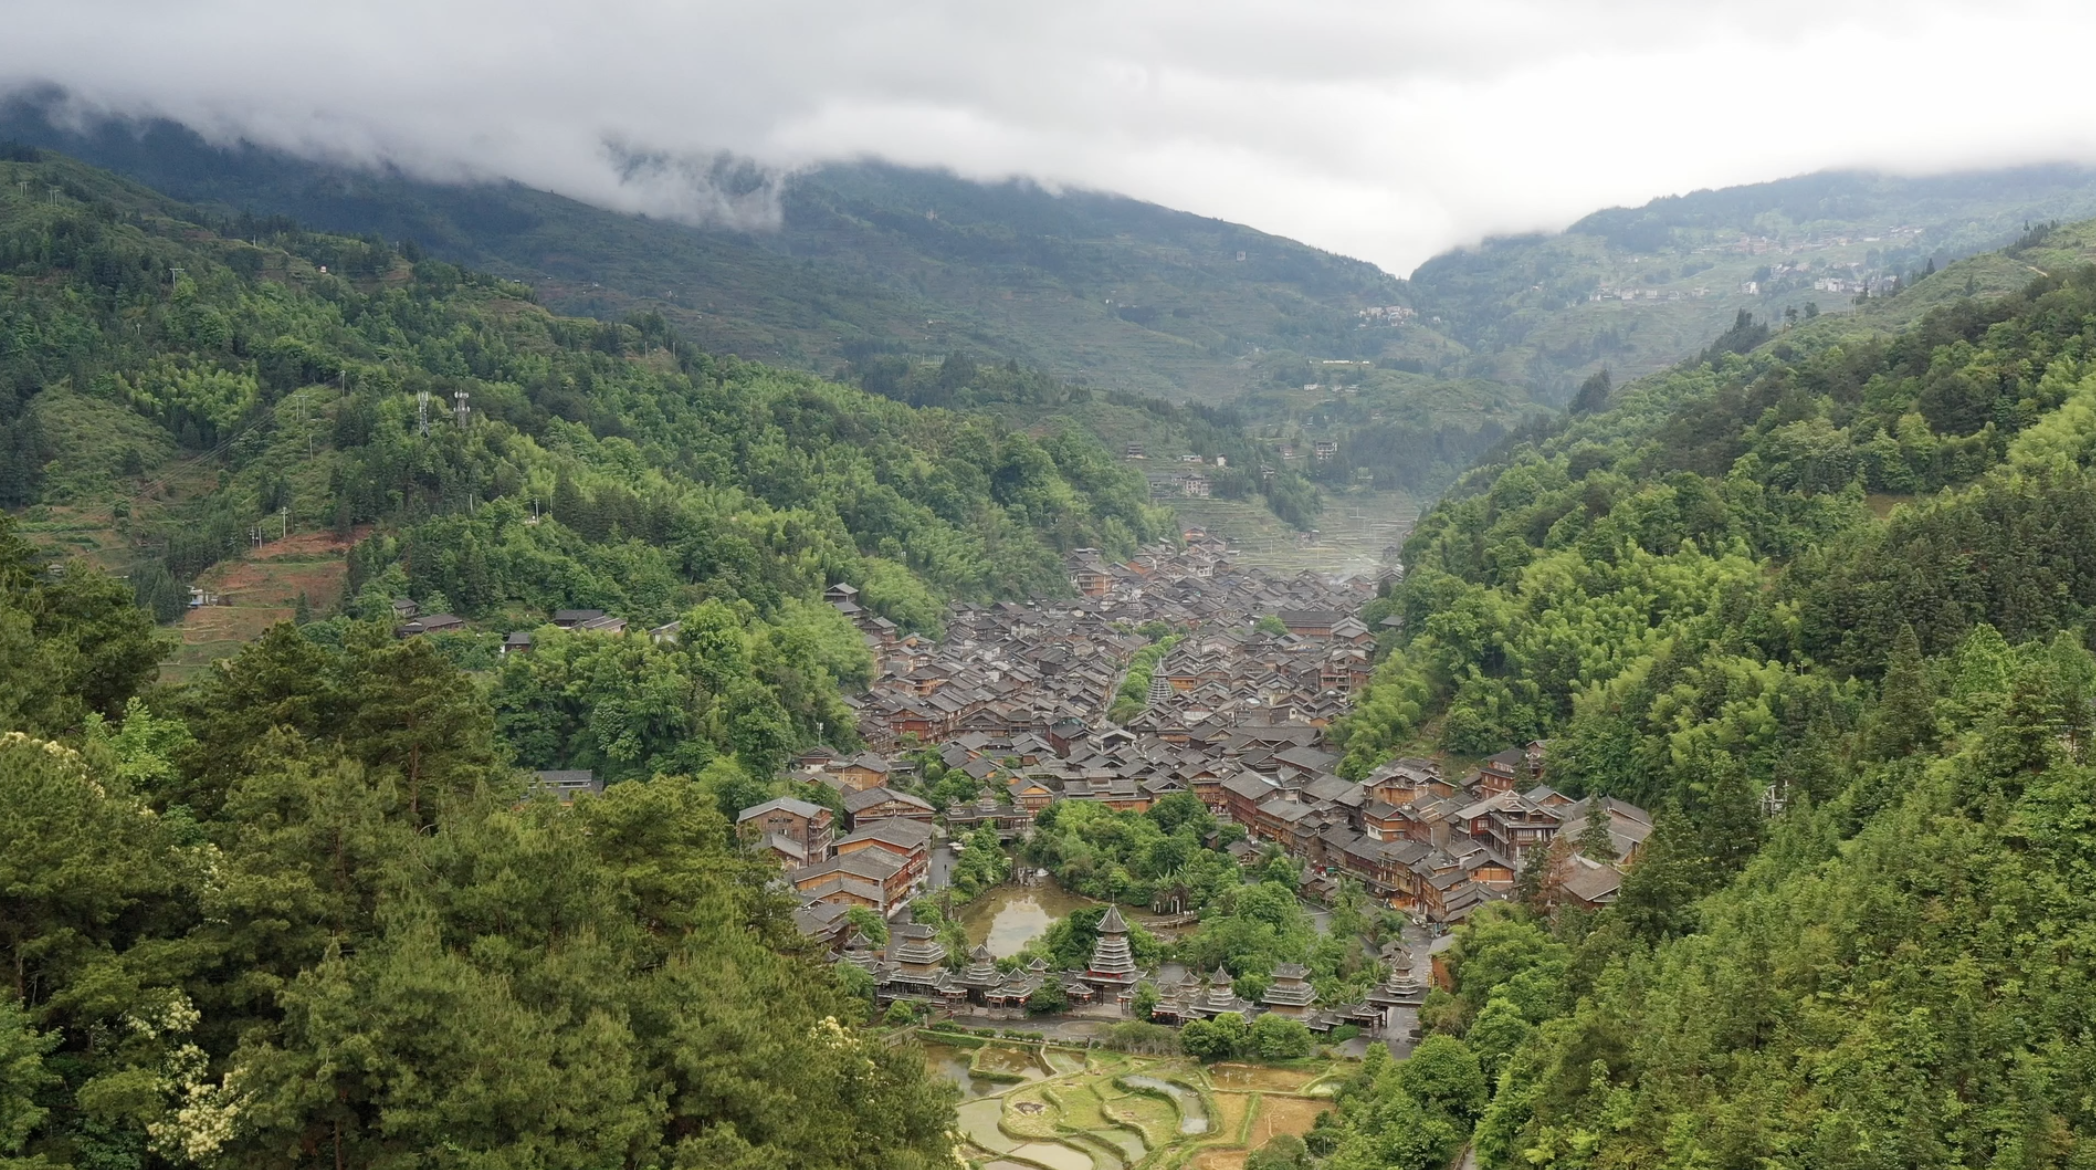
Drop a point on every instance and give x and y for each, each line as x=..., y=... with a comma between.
x=1008, y=917
x=947, y=1061
x=1192, y=1117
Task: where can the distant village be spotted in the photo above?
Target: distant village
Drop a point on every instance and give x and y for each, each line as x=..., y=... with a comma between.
x=1018, y=696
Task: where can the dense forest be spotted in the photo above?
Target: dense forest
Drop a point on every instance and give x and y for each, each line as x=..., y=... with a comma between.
x=1823, y=605
x=303, y=913
x=302, y=910
x=814, y=264
x=1244, y=466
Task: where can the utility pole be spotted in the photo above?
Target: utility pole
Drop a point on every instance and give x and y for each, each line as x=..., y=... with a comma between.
x=284, y=517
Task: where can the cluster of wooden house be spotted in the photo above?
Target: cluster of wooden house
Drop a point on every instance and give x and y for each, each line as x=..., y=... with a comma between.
x=1017, y=697
x=915, y=967
x=880, y=862
x=1050, y=668
x=1435, y=847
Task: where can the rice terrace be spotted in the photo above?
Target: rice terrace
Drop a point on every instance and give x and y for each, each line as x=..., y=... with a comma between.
x=1043, y=1107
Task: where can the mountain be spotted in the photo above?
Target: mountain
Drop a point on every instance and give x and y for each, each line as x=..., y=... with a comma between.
x=865, y=265
x=1638, y=289
x=171, y=393
x=217, y=883
x=1821, y=598
x=864, y=258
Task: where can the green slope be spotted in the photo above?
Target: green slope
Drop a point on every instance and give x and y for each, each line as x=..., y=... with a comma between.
x=210, y=891
x=1824, y=606
x=1546, y=311
x=168, y=389
x=865, y=258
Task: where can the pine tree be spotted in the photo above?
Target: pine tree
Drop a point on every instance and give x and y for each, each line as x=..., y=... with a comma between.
x=1659, y=892
x=1904, y=720
x=1596, y=838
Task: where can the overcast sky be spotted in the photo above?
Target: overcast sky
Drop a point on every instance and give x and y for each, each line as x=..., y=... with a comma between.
x=1384, y=129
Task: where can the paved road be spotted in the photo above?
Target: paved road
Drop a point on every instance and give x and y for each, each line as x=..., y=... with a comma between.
x=939, y=869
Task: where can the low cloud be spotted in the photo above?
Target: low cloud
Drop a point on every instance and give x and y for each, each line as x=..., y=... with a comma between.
x=706, y=189
x=1383, y=130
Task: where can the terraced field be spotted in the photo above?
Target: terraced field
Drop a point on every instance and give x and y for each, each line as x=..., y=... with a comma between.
x=257, y=591
x=1096, y=1110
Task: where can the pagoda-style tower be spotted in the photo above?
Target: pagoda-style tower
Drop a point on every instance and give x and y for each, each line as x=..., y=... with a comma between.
x=1290, y=994
x=981, y=975
x=1401, y=991
x=1221, y=997
x=918, y=955
x=1160, y=692
x=1174, y=1001
x=859, y=952
x=1113, y=964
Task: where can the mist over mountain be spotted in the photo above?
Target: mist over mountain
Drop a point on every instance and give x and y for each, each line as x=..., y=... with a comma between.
x=566, y=572
x=833, y=262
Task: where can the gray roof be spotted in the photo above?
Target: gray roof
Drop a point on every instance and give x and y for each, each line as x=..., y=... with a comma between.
x=893, y=831
x=799, y=808
x=865, y=798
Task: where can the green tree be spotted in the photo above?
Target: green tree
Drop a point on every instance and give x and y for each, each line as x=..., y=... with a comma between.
x=416, y=714
x=1904, y=720
x=1145, y=999
x=1443, y=1075
x=866, y=922
x=1281, y=1152
x=1497, y=1031
x=1593, y=393
x=1275, y=1037
x=1215, y=1039
x=1597, y=838
x=23, y=1077
x=1658, y=897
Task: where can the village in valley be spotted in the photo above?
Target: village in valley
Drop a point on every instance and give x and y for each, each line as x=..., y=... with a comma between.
x=1030, y=701
x=1182, y=683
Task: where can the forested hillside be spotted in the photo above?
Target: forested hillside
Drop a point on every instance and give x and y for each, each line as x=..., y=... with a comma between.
x=865, y=268
x=141, y=341
x=303, y=908
x=174, y=390
x=857, y=266
x=1824, y=605
x=858, y=259
x=303, y=913
x=1636, y=289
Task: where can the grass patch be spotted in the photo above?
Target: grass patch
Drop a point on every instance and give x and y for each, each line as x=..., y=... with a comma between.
x=1231, y=1112
x=1278, y=1115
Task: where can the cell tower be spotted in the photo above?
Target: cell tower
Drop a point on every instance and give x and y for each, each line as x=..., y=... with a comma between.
x=422, y=411
x=1773, y=799
x=459, y=409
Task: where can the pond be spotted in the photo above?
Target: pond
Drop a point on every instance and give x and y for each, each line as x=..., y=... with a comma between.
x=1192, y=1117
x=1012, y=1061
x=1130, y=1144
x=1063, y=1063
x=945, y=1060
x=1008, y=917
x=979, y=1125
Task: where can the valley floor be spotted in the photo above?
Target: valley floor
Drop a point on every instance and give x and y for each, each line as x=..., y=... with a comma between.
x=1351, y=538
